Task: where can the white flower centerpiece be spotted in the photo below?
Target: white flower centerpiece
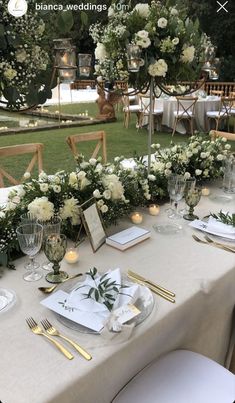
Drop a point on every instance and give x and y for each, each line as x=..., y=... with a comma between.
x=169, y=41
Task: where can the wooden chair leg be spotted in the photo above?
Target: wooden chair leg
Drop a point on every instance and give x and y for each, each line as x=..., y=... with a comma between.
x=174, y=127
x=191, y=126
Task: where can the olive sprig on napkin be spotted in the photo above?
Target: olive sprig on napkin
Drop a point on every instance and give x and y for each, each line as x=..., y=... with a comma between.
x=225, y=218
x=105, y=290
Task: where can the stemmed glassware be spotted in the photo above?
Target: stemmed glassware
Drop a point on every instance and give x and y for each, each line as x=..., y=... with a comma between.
x=176, y=190
x=189, y=184
x=192, y=198
x=28, y=218
x=30, y=241
x=54, y=249
x=171, y=178
x=51, y=226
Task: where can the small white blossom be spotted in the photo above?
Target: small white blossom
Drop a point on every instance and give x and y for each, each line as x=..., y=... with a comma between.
x=162, y=22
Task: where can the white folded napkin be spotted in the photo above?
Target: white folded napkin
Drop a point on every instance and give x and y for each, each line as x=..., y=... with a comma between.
x=217, y=226
x=78, y=297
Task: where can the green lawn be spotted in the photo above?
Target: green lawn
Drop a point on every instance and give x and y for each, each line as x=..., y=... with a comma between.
x=57, y=156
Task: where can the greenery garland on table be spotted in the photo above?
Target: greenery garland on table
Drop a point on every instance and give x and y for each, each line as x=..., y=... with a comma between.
x=117, y=190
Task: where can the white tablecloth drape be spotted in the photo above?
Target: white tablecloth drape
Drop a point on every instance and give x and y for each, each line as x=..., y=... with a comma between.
x=202, y=277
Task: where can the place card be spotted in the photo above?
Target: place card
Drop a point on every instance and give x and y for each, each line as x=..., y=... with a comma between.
x=126, y=312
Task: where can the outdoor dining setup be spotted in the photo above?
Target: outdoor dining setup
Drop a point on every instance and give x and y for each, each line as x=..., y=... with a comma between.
x=117, y=240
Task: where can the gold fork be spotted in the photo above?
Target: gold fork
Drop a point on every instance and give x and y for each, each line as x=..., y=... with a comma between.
x=37, y=330
x=216, y=245
x=54, y=332
x=225, y=247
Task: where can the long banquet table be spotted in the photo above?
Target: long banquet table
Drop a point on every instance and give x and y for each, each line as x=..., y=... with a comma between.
x=202, y=277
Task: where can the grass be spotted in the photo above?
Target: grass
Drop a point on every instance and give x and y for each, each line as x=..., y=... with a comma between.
x=57, y=156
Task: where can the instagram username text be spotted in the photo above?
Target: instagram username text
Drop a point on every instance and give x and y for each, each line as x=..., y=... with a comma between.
x=78, y=7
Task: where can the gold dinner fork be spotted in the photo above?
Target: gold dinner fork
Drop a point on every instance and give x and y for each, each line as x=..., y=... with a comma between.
x=37, y=330
x=221, y=245
x=54, y=332
x=216, y=245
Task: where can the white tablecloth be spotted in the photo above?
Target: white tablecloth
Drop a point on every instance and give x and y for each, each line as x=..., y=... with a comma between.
x=202, y=277
x=203, y=105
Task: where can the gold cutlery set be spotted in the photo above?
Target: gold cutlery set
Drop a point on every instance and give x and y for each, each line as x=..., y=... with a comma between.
x=156, y=288
x=49, y=332
x=208, y=241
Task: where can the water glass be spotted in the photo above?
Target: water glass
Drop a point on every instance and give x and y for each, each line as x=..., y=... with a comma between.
x=192, y=198
x=30, y=240
x=176, y=190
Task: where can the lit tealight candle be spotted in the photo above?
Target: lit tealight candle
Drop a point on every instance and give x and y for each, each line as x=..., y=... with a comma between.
x=154, y=209
x=71, y=256
x=136, y=218
x=205, y=191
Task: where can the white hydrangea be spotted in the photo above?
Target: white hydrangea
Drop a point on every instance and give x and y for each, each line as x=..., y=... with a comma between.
x=151, y=177
x=162, y=22
x=188, y=54
x=100, y=52
x=113, y=183
x=142, y=9
x=41, y=208
x=70, y=210
x=159, y=68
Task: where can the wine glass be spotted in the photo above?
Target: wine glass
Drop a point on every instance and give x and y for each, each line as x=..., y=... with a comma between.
x=177, y=191
x=54, y=249
x=30, y=241
x=29, y=218
x=51, y=226
x=171, y=178
x=192, y=198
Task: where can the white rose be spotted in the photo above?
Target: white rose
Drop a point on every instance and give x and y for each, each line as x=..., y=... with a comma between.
x=96, y=193
x=100, y=52
x=107, y=194
x=152, y=178
x=168, y=165
x=57, y=188
x=187, y=175
x=104, y=208
x=92, y=161
x=142, y=9
x=187, y=55
x=198, y=172
x=10, y=74
x=174, y=11
x=27, y=175
x=224, y=139
x=203, y=155
x=220, y=157
x=143, y=42
x=100, y=203
x=43, y=187
x=175, y=41
x=81, y=175
x=227, y=146
x=84, y=164
x=162, y=22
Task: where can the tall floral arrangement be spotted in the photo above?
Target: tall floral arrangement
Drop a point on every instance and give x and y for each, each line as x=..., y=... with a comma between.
x=170, y=43
x=23, y=59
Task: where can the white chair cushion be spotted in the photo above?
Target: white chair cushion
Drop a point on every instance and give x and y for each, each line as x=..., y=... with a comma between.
x=185, y=114
x=158, y=111
x=180, y=377
x=215, y=114
x=132, y=108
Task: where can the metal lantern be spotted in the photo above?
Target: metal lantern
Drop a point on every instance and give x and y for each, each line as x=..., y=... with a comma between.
x=84, y=64
x=211, y=64
x=65, y=60
x=134, y=58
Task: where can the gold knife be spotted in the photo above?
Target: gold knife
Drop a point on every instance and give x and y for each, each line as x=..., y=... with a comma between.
x=152, y=288
x=139, y=277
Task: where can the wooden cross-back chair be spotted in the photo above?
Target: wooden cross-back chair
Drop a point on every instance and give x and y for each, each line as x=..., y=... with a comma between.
x=218, y=93
x=185, y=111
x=217, y=133
x=145, y=109
x=224, y=112
x=78, y=138
x=9, y=151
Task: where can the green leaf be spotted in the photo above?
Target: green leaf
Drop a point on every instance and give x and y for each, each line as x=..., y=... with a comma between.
x=65, y=21
x=2, y=30
x=84, y=18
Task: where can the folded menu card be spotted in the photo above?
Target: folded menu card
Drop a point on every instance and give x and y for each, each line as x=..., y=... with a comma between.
x=87, y=311
x=215, y=227
x=127, y=238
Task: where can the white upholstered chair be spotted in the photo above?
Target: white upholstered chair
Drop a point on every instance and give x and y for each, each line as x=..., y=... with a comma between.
x=224, y=112
x=145, y=110
x=180, y=376
x=128, y=109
